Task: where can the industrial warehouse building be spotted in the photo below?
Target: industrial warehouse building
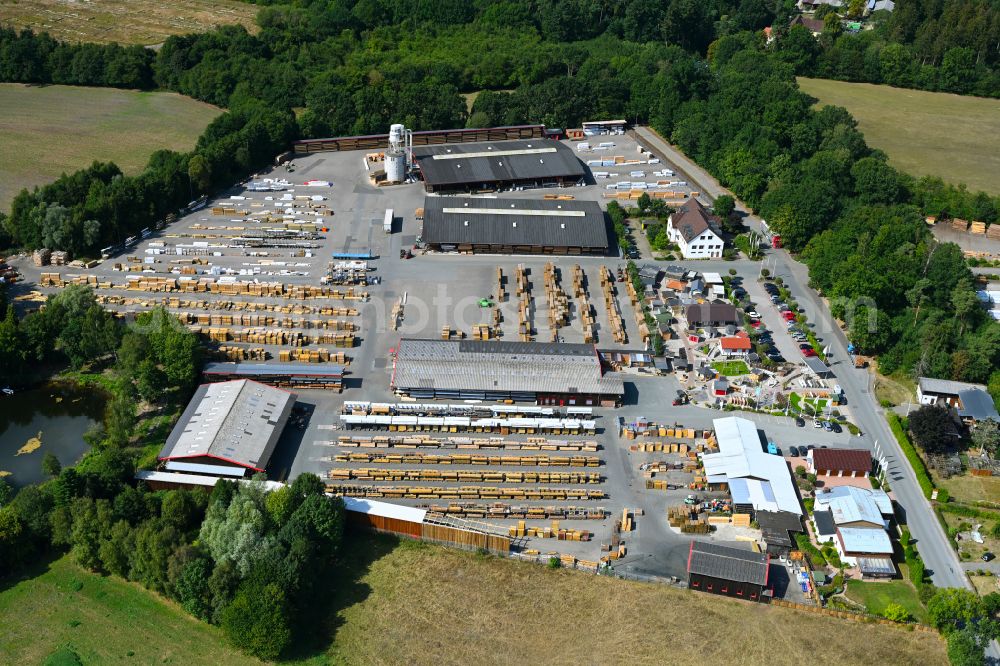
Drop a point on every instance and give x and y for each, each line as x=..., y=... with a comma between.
x=728, y=571
x=473, y=167
x=305, y=375
x=514, y=226
x=542, y=373
x=757, y=481
x=228, y=429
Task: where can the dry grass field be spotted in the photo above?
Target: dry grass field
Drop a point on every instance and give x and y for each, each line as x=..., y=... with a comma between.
x=46, y=131
x=144, y=22
x=955, y=137
x=412, y=603
x=421, y=604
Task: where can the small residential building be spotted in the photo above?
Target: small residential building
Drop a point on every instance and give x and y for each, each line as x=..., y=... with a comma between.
x=728, y=571
x=738, y=345
x=720, y=387
x=855, y=520
x=815, y=26
x=971, y=402
x=879, y=6
x=839, y=462
x=711, y=314
x=691, y=228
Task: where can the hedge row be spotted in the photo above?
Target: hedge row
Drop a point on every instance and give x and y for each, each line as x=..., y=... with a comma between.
x=916, y=462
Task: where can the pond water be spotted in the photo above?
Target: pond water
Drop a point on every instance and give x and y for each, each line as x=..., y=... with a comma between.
x=50, y=419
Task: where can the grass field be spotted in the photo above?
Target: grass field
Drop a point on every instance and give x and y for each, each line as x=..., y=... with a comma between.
x=124, y=21
x=968, y=488
x=875, y=596
x=419, y=604
x=924, y=133
x=104, y=620
x=49, y=130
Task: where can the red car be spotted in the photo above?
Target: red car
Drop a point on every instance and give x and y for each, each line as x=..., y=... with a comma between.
x=788, y=315
x=808, y=352
x=755, y=324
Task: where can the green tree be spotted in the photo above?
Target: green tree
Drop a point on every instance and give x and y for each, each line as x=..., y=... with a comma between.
x=50, y=464
x=258, y=621
x=986, y=436
x=932, y=429
x=952, y=609
x=896, y=613
x=966, y=648
x=200, y=173
x=965, y=303
x=724, y=205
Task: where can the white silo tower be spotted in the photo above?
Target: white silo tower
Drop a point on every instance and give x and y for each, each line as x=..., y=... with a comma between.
x=398, y=157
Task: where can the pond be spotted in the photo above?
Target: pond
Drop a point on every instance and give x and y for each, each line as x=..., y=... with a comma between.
x=50, y=419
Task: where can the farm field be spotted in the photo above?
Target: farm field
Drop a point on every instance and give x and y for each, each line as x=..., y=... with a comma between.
x=50, y=130
x=924, y=133
x=420, y=604
x=105, y=620
x=392, y=613
x=143, y=22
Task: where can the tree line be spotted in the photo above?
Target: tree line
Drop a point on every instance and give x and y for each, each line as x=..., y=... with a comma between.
x=949, y=46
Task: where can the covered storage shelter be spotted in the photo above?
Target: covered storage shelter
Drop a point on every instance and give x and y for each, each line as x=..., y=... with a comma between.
x=514, y=226
x=542, y=373
x=497, y=165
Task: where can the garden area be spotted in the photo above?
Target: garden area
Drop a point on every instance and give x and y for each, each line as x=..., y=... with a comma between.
x=807, y=406
x=731, y=368
x=878, y=596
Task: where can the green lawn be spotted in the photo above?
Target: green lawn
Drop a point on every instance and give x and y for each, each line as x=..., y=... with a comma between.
x=105, y=620
x=731, y=368
x=50, y=130
x=798, y=403
x=956, y=137
x=877, y=595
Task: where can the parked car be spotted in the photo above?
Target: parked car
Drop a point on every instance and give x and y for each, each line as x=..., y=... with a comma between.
x=753, y=314
x=691, y=500
x=837, y=428
x=817, y=424
x=827, y=426
x=793, y=451
x=988, y=556
x=800, y=422
x=808, y=353
x=810, y=447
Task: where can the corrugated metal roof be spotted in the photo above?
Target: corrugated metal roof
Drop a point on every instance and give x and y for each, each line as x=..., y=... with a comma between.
x=849, y=504
x=514, y=222
x=712, y=559
x=530, y=367
x=861, y=540
x=945, y=386
x=497, y=161
x=384, y=509
x=266, y=369
x=237, y=421
x=196, y=479
x=768, y=480
x=216, y=470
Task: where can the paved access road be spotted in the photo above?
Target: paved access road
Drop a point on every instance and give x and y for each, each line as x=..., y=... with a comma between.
x=941, y=560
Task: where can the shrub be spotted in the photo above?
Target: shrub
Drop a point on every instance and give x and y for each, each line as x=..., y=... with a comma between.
x=554, y=563
x=896, y=613
x=916, y=462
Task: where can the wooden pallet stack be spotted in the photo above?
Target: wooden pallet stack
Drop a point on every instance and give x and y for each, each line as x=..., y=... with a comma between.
x=611, y=304
x=233, y=353
x=558, y=303
x=480, y=332
x=524, y=327
x=501, y=292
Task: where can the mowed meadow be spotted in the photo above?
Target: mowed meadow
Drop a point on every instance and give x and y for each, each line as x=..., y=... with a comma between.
x=144, y=22
x=46, y=131
x=954, y=137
